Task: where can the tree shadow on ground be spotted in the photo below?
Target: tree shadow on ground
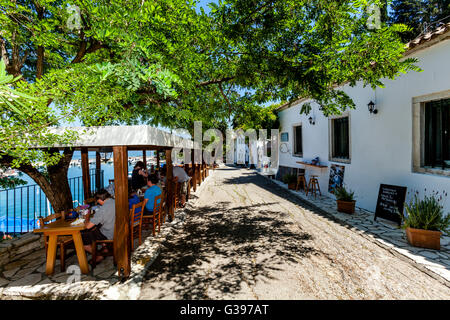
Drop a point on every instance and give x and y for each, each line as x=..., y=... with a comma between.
x=220, y=247
x=266, y=184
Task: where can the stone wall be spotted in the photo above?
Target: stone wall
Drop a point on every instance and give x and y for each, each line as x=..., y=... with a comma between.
x=14, y=249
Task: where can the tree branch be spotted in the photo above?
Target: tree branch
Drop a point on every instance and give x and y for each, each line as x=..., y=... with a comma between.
x=215, y=81
x=40, y=49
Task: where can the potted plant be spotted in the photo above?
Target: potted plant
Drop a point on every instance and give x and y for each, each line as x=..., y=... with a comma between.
x=291, y=180
x=425, y=221
x=345, y=200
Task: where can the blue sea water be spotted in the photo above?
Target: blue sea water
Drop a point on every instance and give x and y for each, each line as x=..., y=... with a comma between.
x=20, y=207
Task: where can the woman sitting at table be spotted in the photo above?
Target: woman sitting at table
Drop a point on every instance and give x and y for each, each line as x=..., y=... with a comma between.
x=150, y=194
x=138, y=176
x=101, y=225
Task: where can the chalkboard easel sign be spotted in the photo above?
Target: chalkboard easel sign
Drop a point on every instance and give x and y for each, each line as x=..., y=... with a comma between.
x=390, y=199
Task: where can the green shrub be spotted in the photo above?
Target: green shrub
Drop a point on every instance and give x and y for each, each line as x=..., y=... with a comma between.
x=343, y=194
x=290, y=178
x=426, y=214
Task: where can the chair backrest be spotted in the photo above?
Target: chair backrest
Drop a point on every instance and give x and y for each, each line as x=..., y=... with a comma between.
x=136, y=212
x=157, y=207
x=176, y=186
x=50, y=218
x=163, y=199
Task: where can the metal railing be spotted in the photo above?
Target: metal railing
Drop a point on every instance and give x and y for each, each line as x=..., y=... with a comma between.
x=20, y=207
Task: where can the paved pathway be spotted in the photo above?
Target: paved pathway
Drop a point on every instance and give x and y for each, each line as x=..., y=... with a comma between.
x=247, y=238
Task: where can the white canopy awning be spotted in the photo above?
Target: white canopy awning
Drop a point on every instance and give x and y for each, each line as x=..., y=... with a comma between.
x=131, y=136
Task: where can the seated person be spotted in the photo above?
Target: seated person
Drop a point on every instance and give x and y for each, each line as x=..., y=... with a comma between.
x=132, y=197
x=150, y=194
x=111, y=189
x=101, y=225
x=138, y=176
x=162, y=177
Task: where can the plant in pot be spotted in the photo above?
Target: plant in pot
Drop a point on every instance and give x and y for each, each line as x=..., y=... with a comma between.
x=291, y=180
x=425, y=222
x=345, y=200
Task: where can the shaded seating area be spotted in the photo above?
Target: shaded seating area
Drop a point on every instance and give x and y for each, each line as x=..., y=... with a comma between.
x=129, y=224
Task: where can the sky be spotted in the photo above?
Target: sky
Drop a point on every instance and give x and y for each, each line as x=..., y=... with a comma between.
x=204, y=4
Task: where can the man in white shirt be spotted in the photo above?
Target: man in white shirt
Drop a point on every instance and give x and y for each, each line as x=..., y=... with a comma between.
x=101, y=225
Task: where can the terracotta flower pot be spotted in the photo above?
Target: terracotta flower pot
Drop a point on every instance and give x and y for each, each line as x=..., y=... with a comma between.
x=292, y=185
x=346, y=206
x=424, y=238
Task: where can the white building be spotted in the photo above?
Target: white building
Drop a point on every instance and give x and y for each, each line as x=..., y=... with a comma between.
x=406, y=143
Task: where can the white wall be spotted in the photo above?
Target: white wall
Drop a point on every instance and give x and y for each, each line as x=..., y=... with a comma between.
x=381, y=144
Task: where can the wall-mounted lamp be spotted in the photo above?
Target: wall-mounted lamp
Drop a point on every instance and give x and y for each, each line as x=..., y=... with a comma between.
x=372, y=108
x=312, y=120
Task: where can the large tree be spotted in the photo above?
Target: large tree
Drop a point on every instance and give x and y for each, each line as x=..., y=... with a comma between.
x=95, y=63
x=163, y=62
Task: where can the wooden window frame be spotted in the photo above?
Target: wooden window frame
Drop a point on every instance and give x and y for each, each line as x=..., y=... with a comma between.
x=418, y=133
x=294, y=140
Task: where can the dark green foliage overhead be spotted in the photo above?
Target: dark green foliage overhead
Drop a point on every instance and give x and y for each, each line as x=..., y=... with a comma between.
x=165, y=63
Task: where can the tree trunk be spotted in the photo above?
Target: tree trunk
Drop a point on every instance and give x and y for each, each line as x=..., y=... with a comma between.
x=56, y=187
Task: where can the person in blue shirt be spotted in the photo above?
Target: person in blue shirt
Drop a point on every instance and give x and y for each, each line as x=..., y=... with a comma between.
x=132, y=198
x=150, y=194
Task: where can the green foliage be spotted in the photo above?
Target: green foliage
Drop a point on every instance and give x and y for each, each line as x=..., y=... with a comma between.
x=164, y=63
x=343, y=194
x=253, y=116
x=426, y=214
x=289, y=178
x=286, y=50
x=11, y=182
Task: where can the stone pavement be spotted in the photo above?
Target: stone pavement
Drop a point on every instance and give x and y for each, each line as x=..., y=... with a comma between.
x=249, y=238
x=26, y=278
x=385, y=233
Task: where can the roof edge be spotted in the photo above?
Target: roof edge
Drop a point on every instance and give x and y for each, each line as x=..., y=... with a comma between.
x=420, y=43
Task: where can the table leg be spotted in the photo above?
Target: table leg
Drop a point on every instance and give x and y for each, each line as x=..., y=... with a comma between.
x=81, y=254
x=51, y=254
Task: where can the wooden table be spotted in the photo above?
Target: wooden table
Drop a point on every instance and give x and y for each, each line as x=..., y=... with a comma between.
x=63, y=228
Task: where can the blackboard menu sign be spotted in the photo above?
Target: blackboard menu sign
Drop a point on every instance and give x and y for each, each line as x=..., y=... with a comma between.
x=390, y=199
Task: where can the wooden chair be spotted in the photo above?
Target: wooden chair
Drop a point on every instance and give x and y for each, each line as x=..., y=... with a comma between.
x=313, y=185
x=154, y=218
x=188, y=195
x=136, y=213
x=176, y=192
x=110, y=247
x=163, y=206
x=63, y=241
x=301, y=180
